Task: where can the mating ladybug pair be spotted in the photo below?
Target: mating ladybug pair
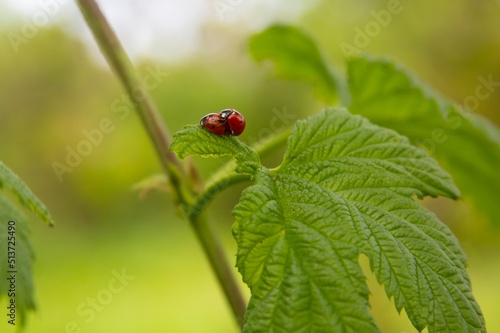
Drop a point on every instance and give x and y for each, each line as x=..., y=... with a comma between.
x=226, y=122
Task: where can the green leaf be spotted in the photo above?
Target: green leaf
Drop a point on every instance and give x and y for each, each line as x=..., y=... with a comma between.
x=295, y=254
x=346, y=187
x=468, y=145
x=155, y=182
x=11, y=182
x=297, y=57
x=195, y=140
x=24, y=257
x=23, y=251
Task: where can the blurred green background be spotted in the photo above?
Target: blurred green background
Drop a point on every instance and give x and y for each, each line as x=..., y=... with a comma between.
x=56, y=86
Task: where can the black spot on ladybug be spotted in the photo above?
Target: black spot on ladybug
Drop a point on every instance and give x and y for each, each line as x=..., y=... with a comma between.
x=213, y=126
x=241, y=121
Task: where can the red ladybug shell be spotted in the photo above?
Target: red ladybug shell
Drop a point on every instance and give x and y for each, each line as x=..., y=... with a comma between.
x=214, y=123
x=235, y=120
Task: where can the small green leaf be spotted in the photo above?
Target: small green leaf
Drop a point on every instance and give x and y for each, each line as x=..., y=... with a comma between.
x=467, y=144
x=17, y=239
x=155, y=182
x=195, y=140
x=297, y=57
x=346, y=187
x=10, y=181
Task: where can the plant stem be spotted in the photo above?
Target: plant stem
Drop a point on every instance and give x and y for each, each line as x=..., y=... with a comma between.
x=151, y=119
x=213, y=189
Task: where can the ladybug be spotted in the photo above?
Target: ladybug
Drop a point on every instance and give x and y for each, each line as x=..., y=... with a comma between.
x=215, y=123
x=235, y=120
x=226, y=122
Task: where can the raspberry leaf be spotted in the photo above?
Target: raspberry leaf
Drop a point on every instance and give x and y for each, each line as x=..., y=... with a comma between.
x=347, y=187
x=16, y=254
x=467, y=144
x=195, y=140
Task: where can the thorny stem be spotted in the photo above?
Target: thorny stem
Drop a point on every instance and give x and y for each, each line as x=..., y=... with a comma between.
x=151, y=119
